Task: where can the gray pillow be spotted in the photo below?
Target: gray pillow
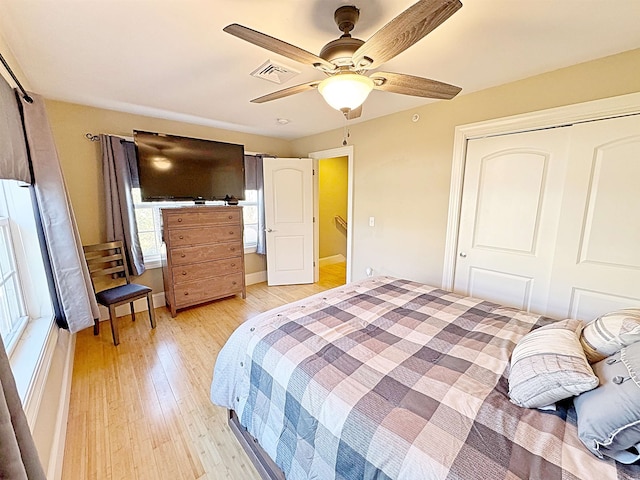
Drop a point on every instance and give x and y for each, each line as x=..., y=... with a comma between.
x=548, y=364
x=609, y=416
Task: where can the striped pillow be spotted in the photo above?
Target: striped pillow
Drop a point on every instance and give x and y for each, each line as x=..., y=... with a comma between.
x=610, y=333
x=548, y=364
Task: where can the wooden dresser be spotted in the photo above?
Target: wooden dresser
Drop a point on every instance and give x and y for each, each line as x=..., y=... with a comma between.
x=203, y=255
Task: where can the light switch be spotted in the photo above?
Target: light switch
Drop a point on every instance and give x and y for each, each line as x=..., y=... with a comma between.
x=372, y=221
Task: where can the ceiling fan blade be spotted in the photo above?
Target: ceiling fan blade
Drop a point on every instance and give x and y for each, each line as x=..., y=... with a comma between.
x=278, y=46
x=354, y=113
x=303, y=87
x=416, y=86
x=403, y=31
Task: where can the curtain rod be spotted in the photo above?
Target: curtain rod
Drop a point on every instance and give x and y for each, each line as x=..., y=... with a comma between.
x=25, y=95
x=96, y=138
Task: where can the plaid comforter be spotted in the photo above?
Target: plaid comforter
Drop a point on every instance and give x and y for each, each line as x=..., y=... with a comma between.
x=391, y=379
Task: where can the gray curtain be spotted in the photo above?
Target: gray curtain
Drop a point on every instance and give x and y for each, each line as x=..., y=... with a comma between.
x=18, y=454
x=118, y=160
x=14, y=163
x=254, y=180
x=68, y=266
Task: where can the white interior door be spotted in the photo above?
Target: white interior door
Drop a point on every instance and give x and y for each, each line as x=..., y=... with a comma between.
x=597, y=261
x=509, y=217
x=288, y=196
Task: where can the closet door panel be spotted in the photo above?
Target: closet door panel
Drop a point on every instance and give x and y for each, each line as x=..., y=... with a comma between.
x=509, y=217
x=597, y=258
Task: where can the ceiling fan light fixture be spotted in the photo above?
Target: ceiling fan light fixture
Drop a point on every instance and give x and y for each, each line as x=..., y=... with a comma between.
x=345, y=90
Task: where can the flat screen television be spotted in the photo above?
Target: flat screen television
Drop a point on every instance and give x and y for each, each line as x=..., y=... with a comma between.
x=182, y=168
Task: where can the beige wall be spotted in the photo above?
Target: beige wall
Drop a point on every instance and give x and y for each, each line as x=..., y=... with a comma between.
x=332, y=198
x=402, y=169
x=82, y=166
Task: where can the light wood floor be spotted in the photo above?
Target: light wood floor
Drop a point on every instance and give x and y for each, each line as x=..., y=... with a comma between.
x=141, y=410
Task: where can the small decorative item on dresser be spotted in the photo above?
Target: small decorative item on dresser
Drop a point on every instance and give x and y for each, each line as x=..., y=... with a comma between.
x=204, y=255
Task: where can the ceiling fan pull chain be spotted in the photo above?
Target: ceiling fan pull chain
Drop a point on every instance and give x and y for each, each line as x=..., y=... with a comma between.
x=345, y=133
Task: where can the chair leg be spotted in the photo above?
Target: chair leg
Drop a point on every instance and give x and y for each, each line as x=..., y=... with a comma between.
x=114, y=325
x=96, y=326
x=133, y=312
x=152, y=314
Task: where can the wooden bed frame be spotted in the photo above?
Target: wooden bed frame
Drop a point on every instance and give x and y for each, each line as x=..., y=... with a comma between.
x=266, y=467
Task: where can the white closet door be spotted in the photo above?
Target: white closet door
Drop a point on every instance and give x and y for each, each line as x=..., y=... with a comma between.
x=597, y=261
x=509, y=217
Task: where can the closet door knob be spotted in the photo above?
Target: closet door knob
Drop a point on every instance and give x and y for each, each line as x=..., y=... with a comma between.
x=463, y=255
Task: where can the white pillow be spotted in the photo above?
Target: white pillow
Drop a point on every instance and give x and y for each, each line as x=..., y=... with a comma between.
x=610, y=333
x=548, y=364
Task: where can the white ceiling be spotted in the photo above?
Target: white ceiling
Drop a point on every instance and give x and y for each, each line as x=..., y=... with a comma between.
x=171, y=59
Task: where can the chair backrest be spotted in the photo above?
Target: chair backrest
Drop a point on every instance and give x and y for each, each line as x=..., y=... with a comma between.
x=107, y=265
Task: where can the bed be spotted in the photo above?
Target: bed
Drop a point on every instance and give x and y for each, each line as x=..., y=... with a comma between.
x=391, y=379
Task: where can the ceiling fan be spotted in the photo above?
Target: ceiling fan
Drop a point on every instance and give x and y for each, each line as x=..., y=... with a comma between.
x=346, y=61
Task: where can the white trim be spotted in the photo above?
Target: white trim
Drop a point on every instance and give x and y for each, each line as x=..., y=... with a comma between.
x=256, y=277
x=581, y=112
x=152, y=262
x=56, y=457
x=346, y=151
x=31, y=343
x=330, y=260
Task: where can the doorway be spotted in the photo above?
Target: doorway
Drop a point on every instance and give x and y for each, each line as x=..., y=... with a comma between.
x=332, y=219
x=333, y=191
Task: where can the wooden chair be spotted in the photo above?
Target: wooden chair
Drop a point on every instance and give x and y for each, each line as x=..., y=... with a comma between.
x=110, y=278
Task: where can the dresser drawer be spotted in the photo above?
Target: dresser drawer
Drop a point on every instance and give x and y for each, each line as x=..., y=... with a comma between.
x=194, y=292
x=195, y=217
x=201, y=253
x=204, y=270
x=209, y=234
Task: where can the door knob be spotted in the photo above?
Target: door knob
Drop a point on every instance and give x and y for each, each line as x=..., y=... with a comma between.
x=463, y=255
x=269, y=230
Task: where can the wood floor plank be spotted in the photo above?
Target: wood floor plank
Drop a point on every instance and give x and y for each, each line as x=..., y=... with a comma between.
x=141, y=410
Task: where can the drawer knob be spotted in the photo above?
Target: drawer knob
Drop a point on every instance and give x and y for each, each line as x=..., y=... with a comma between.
x=232, y=249
x=186, y=293
x=233, y=264
x=179, y=220
x=233, y=283
x=184, y=273
x=183, y=255
x=230, y=217
x=181, y=237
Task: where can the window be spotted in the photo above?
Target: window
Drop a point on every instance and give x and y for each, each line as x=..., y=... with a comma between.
x=24, y=293
x=13, y=316
x=149, y=222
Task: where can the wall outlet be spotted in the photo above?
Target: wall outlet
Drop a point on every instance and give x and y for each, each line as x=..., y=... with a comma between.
x=369, y=271
x=372, y=221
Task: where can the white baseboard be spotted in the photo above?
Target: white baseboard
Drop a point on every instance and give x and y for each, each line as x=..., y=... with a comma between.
x=331, y=260
x=56, y=458
x=257, y=277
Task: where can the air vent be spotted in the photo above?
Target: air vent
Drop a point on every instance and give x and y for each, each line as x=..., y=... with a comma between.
x=274, y=72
